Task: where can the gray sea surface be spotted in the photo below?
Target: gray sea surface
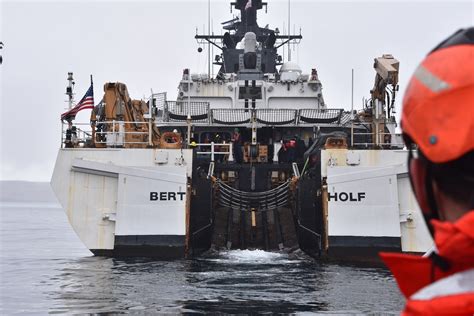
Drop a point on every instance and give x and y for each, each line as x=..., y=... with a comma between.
x=44, y=268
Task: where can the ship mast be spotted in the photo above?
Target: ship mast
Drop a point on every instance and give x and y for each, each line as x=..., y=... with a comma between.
x=69, y=89
x=209, y=61
x=289, y=27
x=269, y=40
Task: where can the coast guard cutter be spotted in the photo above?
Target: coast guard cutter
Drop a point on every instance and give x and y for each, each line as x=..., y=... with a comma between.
x=252, y=158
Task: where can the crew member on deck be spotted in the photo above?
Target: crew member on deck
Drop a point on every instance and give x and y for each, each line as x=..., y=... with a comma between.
x=218, y=149
x=237, y=146
x=71, y=135
x=438, y=129
x=206, y=140
x=283, y=152
x=291, y=147
x=300, y=149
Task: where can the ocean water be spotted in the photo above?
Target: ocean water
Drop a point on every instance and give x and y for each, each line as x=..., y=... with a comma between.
x=46, y=269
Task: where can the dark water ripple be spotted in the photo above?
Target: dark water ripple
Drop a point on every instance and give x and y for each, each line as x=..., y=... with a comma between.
x=45, y=269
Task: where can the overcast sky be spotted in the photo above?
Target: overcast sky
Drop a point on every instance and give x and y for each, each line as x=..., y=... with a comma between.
x=147, y=44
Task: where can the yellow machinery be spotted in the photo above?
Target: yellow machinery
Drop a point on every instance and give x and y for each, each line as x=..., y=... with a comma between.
x=120, y=121
x=381, y=105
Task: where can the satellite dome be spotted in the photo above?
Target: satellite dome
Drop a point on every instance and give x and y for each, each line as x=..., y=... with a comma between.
x=290, y=72
x=290, y=67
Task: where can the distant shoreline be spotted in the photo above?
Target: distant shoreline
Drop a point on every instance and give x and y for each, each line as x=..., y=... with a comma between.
x=26, y=191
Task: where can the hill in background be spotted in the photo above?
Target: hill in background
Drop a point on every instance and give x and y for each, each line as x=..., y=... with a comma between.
x=24, y=191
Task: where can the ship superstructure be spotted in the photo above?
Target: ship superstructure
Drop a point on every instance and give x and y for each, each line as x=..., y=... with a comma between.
x=250, y=158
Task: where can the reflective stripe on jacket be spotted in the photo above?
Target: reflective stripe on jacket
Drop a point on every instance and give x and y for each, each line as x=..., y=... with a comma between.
x=450, y=295
x=428, y=288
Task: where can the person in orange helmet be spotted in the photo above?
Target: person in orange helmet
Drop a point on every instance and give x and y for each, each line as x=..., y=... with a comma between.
x=438, y=129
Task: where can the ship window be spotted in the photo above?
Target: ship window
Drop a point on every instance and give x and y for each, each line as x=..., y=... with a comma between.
x=250, y=93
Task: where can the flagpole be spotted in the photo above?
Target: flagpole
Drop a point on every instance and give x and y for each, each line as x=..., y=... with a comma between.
x=209, y=44
x=92, y=86
x=93, y=121
x=289, y=29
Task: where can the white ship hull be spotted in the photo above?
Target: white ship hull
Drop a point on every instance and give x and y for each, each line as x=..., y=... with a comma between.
x=136, y=202
x=370, y=202
x=109, y=198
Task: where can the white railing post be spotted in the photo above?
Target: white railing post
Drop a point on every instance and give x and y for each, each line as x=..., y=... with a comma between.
x=276, y=149
x=113, y=140
x=121, y=134
x=231, y=152
x=212, y=151
x=62, y=134
x=150, y=138
x=110, y=136
x=188, y=136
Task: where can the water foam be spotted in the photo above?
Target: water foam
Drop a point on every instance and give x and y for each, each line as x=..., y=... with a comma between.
x=253, y=256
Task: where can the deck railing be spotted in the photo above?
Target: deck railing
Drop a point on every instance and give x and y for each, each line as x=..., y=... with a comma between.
x=78, y=137
x=215, y=151
x=386, y=139
x=111, y=133
x=115, y=137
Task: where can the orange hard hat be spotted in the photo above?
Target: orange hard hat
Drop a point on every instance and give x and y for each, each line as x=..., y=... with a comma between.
x=438, y=106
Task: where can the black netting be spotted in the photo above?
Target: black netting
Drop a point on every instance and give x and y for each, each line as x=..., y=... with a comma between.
x=276, y=116
x=179, y=111
x=321, y=115
x=231, y=116
x=230, y=197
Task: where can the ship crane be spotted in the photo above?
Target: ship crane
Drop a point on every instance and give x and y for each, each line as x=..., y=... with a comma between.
x=381, y=106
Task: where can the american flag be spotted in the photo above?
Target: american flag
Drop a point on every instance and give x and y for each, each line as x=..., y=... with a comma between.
x=87, y=102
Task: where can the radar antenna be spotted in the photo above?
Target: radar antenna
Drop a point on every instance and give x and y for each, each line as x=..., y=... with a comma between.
x=268, y=40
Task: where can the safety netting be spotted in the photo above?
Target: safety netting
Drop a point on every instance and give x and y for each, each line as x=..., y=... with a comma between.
x=230, y=197
x=321, y=115
x=276, y=116
x=230, y=116
x=200, y=112
x=179, y=111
